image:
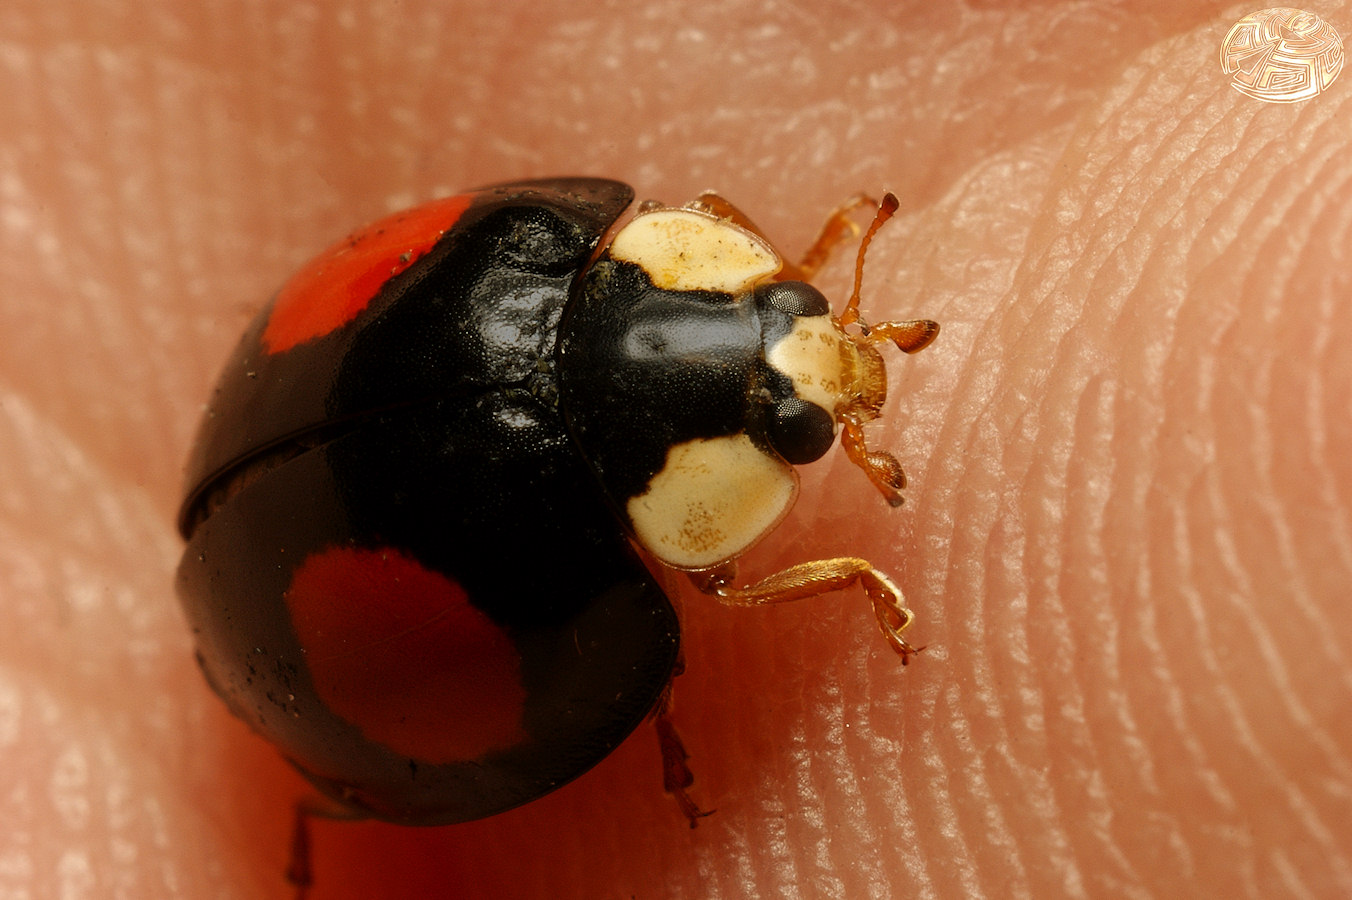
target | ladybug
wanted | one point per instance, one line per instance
(430, 493)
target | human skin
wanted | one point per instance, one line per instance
(1127, 534)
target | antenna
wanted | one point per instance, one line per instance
(886, 209)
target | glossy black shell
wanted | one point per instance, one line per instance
(428, 429)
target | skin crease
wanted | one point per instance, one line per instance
(1127, 535)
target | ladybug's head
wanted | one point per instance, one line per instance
(695, 381)
(838, 376)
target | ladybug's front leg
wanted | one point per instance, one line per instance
(819, 577)
(838, 228)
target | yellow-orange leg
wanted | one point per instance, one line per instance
(838, 228)
(819, 577)
(881, 467)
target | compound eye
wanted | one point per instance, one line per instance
(800, 431)
(797, 298)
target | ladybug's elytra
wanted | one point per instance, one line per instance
(421, 498)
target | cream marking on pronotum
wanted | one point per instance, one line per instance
(686, 250)
(712, 499)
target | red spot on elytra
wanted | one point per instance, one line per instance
(335, 286)
(398, 651)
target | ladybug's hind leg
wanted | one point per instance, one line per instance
(299, 870)
(676, 774)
